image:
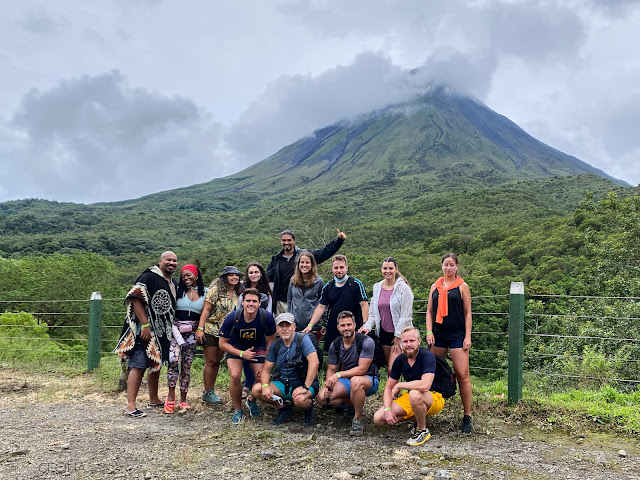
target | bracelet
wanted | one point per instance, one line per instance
(241, 353)
(338, 374)
(201, 329)
(310, 325)
(387, 409)
(265, 385)
(429, 333)
(145, 325)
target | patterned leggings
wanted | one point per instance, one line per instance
(187, 352)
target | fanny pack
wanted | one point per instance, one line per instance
(185, 326)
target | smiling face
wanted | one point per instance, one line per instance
(287, 242)
(286, 330)
(250, 303)
(254, 275)
(189, 278)
(339, 269)
(233, 278)
(449, 267)
(389, 270)
(168, 263)
(304, 264)
(347, 326)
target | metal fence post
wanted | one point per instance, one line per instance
(516, 341)
(95, 331)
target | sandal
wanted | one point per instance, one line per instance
(169, 406)
(245, 393)
(136, 413)
(184, 406)
(155, 405)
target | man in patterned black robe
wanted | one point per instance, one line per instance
(146, 332)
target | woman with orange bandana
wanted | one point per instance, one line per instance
(449, 327)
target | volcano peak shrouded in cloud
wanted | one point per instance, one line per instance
(115, 100)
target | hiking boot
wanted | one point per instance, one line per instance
(210, 397)
(254, 409)
(466, 424)
(238, 415)
(284, 414)
(308, 417)
(418, 438)
(357, 427)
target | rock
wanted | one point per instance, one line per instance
(22, 451)
(425, 471)
(355, 471)
(442, 475)
(148, 476)
(66, 446)
(387, 464)
(475, 472)
(622, 453)
(267, 454)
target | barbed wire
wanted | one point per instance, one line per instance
(582, 337)
(578, 316)
(545, 374)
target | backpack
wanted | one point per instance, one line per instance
(299, 361)
(378, 356)
(359, 341)
(445, 380)
(238, 313)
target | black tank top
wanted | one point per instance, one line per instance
(452, 326)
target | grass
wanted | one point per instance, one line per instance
(576, 411)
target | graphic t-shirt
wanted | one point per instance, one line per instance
(248, 334)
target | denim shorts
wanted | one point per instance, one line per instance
(443, 342)
(138, 356)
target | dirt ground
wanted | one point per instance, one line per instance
(56, 427)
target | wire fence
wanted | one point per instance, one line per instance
(568, 340)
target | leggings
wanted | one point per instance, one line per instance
(187, 353)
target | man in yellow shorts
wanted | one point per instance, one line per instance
(417, 366)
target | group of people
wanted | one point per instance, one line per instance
(269, 325)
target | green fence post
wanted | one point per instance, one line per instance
(516, 341)
(95, 330)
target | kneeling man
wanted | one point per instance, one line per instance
(418, 367)
(351, 374)
(294, 383)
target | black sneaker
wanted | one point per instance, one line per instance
(357, 427)
(466, 424)
(284, 414)
(308, 417)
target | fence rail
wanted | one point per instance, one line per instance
(503, 340)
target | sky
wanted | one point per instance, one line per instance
(112, 100)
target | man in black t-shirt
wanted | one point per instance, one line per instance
(244, 335)
(417, 366)
(342, 293)
(283, 264)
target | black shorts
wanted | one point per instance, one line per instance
(386, 338)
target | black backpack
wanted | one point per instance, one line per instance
(378, 356)
(359, 340)
(262, 314)
(445, 379)
(298, 361)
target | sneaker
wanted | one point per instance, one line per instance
(254, 409)
(419, 437)
(284, 414)
(308, 417)
(466, 424)
(238, 415)
(210, 397)
(357, 427)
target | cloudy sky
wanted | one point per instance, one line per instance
(115, 99)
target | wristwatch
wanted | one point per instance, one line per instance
(305, 387)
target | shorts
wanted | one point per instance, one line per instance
(436, 406)
(138, 356)
(211, 340)
(259, 359)
(386, 338)
(444, 342)
(375, 382)
(286, 392)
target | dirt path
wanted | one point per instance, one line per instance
(72, 432)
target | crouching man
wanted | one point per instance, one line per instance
(297, 380)
(417, 366)
(351, 374)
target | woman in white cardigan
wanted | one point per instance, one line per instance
(390, 310)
